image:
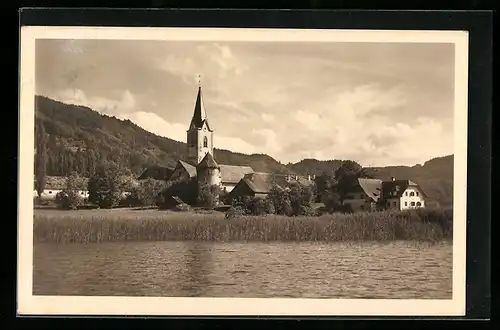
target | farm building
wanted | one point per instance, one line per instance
(365, 195)
(260, 184)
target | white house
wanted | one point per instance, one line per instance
(402, 194)
(54, 185)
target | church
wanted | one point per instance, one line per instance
(200, 162)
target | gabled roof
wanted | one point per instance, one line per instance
(396, 188)
(371, 187)
(156, 172)
(188, 167)
(233, 173)
(208, 162)
(199, 114)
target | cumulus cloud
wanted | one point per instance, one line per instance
(124, 102)
(155, 124)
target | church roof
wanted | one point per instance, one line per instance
(189, 168)
(208, 162)
(233, 173)
(199, 114)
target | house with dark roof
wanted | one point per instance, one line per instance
(260, 184)
(365, 195)
(402, 194)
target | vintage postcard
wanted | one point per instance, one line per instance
(196, 171)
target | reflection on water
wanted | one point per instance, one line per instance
(404, 270)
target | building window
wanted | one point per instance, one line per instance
(412, 194)
(205, 142)
(406, 203)
(406, 193)
(50, 192)
(394, 203)
(412, 204)
(419, 204)
(416, 193)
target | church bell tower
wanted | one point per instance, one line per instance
(199, 134)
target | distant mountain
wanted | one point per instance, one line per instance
(79, 138)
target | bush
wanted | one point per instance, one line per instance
(269, 206)
(208, 196)
(148, 190)
(257, 206)
(307, 211)
(69, 198)
(234, 212)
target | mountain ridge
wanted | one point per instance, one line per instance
(80, 138)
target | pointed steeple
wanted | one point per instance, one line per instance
(200, 114)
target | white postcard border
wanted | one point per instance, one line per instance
(28, 304)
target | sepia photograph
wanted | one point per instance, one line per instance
(193, 171)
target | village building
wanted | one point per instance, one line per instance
(402, 195)
(56, 184)
(260, 184)
(365, 195)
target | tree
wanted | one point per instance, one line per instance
(208, 195)
(148, 190)
(40, 158)
(69, 198)
(299, 196)
(346, 176)
(105, 187)
(281, 200)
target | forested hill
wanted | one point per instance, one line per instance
(79, 138)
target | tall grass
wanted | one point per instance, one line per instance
(92, 226)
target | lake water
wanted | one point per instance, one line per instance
(406, 270)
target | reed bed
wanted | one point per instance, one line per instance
(95, 226)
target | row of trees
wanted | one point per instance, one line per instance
(107, 188)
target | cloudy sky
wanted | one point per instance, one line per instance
(378, 104)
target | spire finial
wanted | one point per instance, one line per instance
(199, 80)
